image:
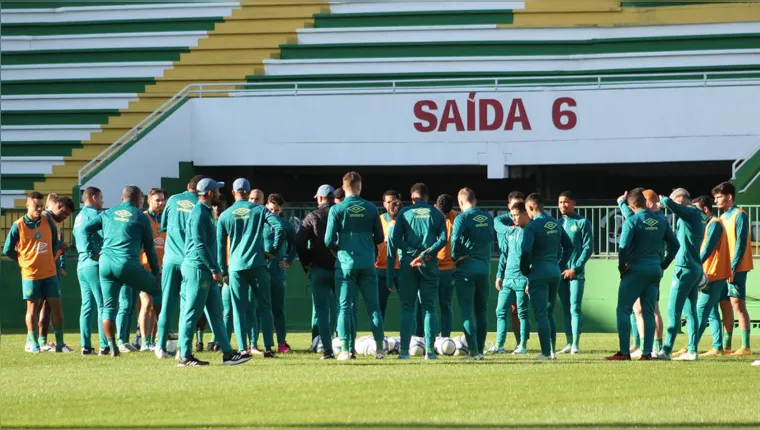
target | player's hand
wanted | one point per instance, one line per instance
(731, 278)
(64, 246)
(461, 259)
(96, 257)
(63, 272)
(284, 265)
(391, 286)
(623, 197)
(527, 288)
(417, 262)
(568, 274)
(226, 279)
(217, 276)
(498, 284)
(268, 255)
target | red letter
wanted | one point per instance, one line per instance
(471, 112)
(422, 115)
(517, 113)
(483, 105)
(558, 114)
(451, 116)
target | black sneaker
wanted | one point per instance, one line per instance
(212, 346)
(327, 356)
(199, 347)
(236, 358)
(105, 351)
(269, 354)
(353, 355)
(87, 351)
(191, 362)
(115, 352)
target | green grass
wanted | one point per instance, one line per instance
(298, 390)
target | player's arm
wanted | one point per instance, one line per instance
(290, 238)
(397, 234)
(526, 249)
(502, 224)
(742, 232)
(587, 247)
(377, 230)
(168, 208)
(275, 223)
(304, 235)
(440, 234)
(195, 227)
(567, 248)
(502, 267)
(672, 248)
(390, 264)
(9, 250)
(624, 209)
(714, 232)
(333, 227)
(221, 244)
(92, 227)
(148, 245)
(624, 245)
(457, 250)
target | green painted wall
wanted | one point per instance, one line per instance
(598, 305)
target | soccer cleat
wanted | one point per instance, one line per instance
(145, 347)
(87, 351)
(137, 340)
(495, 350)
(552, 356)
(712, 353)
(114, 352)
(688, 356)
(470, 358)
(542, 357)
(127, 347)
(728, 351)
(64, 349)
(48, 347)
(104, 351)
(681, 351)
(520, 350)
(645, 357)
(636, 353)
(191, 362)
(575, 350)
(619, 356)
(270, 354)
(344, 356)
(33, 348)
(327, 356)
(212, 346)
(664, 356)
(28, 347)
(404, 356)
(255, 351)
(283, 348)
(353, 355)
(656, 354)
(742, 352)
(431, 356)
(566, 349)
(478, 357)
(161, 354)
(199, 347)
(236, 358)
(756, 363)
(380, 355)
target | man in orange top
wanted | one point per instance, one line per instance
(736, 224)
(147, 318)
(33, 243)
(392, 204)
(717, 267)
(445, 204)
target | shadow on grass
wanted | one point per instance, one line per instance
(393, 425)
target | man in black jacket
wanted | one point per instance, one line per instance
(319, 264)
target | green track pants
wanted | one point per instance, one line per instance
(571, 296)
(92, 299)
(512, 291)
(472, 293)
(349, 283)
(171, 281)
(638, 283)
(199, 293)
(418, 284)
(683, 299)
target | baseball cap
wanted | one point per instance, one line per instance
(207, 184)
(241, 185)
(324, 191)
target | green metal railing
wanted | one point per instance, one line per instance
(607, 223)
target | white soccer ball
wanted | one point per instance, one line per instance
(417, 346)
(337, 345)
(460, 343)
(316, 345)
(363, 346)
(171, 347)
(390, 344)
(397, 346)
(445, 346)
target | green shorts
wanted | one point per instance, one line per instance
(738, 288)
(724, 293)
(48, 287)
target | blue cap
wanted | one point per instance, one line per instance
(325, 191)
(241, 185)
(207, 184)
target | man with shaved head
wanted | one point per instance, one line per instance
(256, 196)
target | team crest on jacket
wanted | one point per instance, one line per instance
(158, 242)
(185, 205)
(356, 211)
(122, 215)
(421, 213)
(241, 213)
(550, 225)
(41, 247)
(574, 227)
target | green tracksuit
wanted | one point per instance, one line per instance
(227, 312)
(198, 290)
(128, 300)
(707, 302)
(89, 280)
(579, 230)
(471, 243)
(126, 232)
(690, 231)
(512, 289)
(173, 222)
(242, 225)
(277, 276)
(545, 242)
(641, 263)
(354, 230)
(420, 231)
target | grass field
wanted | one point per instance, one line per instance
(298, 390)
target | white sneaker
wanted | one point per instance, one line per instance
(565, 350)
(344, 356)
(127, 347)
(636, 353)
(689, 356)
(756, 363)
(161, 354)
(473, 357)
(28, 347)
(543, 357)
(66, 350)
(575, 350)
(519, 351)
(662, 355)
(145, 347)
(48, 347)
(552, 356)
(381, 354)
